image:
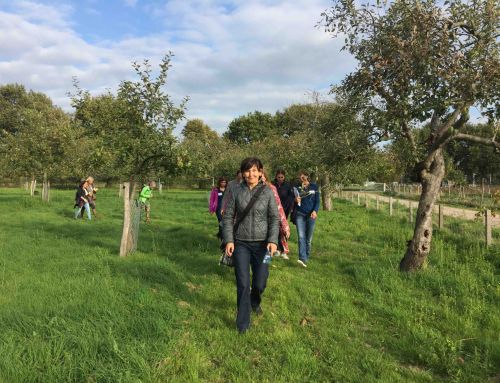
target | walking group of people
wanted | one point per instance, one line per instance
(253, 224)
(85, 198)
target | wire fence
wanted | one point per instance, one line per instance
(484, 196)
(407, 209)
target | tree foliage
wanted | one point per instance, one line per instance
(35, 135)
(422, 61)
(136, 124)
(251, 128)
(201, 149)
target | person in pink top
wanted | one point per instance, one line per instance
(215, 204)
(284, 233)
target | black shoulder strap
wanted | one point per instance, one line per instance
(249, 206)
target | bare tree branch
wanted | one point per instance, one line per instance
(409, 135)
(476, 139)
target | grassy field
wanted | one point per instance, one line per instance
(72, 311)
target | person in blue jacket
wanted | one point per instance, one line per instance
(306, 212)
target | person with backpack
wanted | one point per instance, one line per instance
(251, 229)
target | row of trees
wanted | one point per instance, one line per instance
(106, 137)
(422, 66)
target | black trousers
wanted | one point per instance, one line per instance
(246, 255)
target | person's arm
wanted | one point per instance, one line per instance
(273, 221)
(317, 200)
(228, 194)
(213, 201)
(284, 227)
(289, 199)
(228, 225)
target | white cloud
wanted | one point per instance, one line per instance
(130, 3)
(230, 57)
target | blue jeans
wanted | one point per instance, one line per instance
(248, 297)
(305, 228)
(87, 209)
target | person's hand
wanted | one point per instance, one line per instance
(229, 249)
(272, 247)
(297, 199)
(314, 214)
(222, 213)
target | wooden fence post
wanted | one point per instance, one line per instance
(441, 216)
(487, 227)
(390, 206)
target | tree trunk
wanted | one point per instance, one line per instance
(124, 245)
(130, 225)
(326, 194)
(420, 245)
(45, 188)
(33, 186)
(135, 219)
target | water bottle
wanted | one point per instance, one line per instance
(267, 258)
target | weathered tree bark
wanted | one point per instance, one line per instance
(134, 228)
(326, 193)
(33, 186)
(129, 238)
(124, 245)
(420, 245)
(45, 188)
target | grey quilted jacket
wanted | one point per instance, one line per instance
(261, 222)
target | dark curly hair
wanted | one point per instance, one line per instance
(247, 164)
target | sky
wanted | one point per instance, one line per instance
(231, 57)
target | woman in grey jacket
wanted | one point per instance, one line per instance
(257, 232)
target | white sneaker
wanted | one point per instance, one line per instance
(301, 263)
(277, 254)
(284, 256)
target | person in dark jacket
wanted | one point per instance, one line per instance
(306, 211)
(284, 191)
(256, 235)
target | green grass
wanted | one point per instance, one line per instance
(71, 310)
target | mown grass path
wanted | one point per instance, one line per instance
(72, 311)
